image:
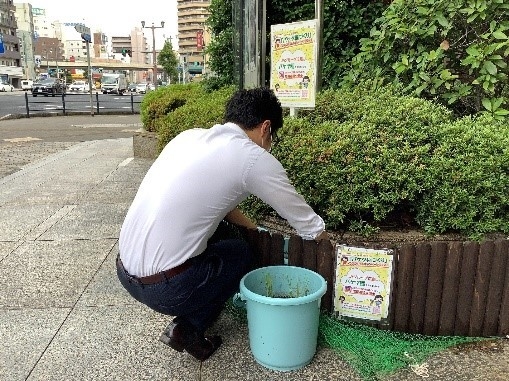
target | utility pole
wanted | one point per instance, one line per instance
(319, 37)
(57, 51)
(154, 54)
(85, 35)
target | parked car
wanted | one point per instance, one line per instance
(6, 87)
(131, 88)
(79, 86)
(49, 86)
(26, 84)
(142, 88)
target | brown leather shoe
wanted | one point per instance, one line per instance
(182, 336)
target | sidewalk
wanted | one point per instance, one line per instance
(64, 315)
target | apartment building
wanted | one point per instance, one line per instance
(11, 70)
(192, 35)
(133, 49)
(26, 35)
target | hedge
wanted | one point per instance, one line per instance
(367, 158)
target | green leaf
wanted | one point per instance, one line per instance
(486, 102)
(472, 18)
(422, 11)
(472, 50)
(419, 90)
(424, 77)
(442, 20)
(502, 112)
(490, 67)
(499, 35)
(399, 68)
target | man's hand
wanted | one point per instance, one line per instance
(323, 235)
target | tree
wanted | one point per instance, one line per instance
(168, 60)
(220, 49)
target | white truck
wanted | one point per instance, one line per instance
(113, 83)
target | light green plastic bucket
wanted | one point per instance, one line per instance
(283, 308)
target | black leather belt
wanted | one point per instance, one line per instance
(159, 277)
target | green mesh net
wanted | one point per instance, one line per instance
(373, 352)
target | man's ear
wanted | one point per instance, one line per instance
(265, 127)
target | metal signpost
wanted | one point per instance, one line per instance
(85, 35)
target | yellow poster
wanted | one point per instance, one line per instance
(293, 63)
(363, 282)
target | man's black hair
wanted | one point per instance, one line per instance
(250, 107)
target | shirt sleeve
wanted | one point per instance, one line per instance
(267, 179)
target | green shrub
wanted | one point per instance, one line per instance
(470, 179)
(369, 157)
(164, 100)
(202, 110)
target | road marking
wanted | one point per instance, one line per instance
(95, 125)
(21, 140)
(126, 161)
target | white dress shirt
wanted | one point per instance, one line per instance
(199, 177)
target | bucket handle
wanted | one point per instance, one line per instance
(238, 300)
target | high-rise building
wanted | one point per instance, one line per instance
(27, 37)
(192, 35)
(11, 70)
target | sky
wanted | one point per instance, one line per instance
(116, 17)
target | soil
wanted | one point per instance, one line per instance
(394, 236)
(491, 346)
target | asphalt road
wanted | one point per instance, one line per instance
(25, 140)
(15, 103)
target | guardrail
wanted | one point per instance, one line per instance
(72, 104)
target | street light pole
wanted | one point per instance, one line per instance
(154, 56)
(56, 61)
(47, 60)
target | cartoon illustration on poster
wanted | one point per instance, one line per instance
(363, 282)
(293, 63)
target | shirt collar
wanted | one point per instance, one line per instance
(235, 127)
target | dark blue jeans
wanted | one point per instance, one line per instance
(199, 293)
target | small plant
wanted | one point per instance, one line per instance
(364, 228)
(269, 286)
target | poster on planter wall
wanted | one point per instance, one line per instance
(363, 282)
(294, 49)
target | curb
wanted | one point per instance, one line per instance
(67, 113)
(145, 145)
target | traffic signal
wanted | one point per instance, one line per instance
(124, 51)
(129, 53)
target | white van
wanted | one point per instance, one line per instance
(26, 84)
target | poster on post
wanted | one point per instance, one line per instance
(363, 282)
(294, 49)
